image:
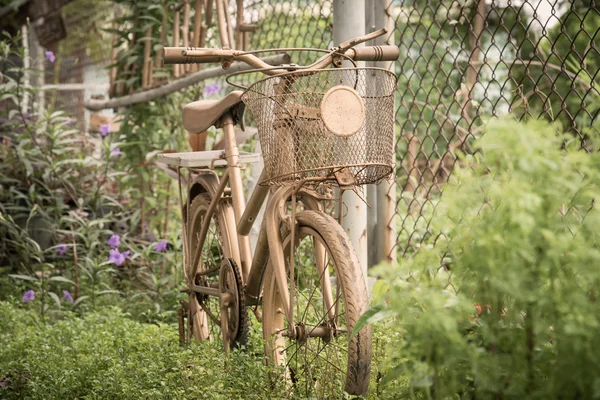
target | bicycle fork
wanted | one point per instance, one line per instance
(275, 214)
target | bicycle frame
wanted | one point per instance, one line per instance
(269, 247)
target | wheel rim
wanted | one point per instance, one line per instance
(312, 366)
(204, 310)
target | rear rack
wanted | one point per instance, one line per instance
(195, 159)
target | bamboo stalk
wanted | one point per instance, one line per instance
(239, 40)
(208, 6)
(146, 72)
(132, 67)
(197, 27)
(176, 40)
(163, 32)
(197, 23)
(113, 60)
(203, 31)
(222, 24)
(185, 31)
(228, 23)
(411, 165)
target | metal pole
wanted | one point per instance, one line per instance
(386, 190)
(349, 22)
(372, 229)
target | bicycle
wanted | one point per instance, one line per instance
(320, 128)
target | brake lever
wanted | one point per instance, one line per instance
(348, 44)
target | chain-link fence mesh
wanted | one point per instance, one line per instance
(462, 62)
(465, 61)
(296, 23)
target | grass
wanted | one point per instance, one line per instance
(108, 355)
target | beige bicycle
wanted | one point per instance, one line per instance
(320, 129)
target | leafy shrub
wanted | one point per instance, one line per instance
(59, 206)
(505, 305)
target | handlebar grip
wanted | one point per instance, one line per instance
(376, 53)
(174, 55)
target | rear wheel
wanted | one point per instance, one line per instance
(214, 269)
(320, 358)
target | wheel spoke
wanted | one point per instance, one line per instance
(326, 360)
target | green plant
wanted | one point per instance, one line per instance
(505, 303)
(108, 355)
(59, 206)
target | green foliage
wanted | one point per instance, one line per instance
(58, 207)
(505, 303)
(107, 355)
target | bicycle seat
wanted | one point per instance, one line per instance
(200, 115)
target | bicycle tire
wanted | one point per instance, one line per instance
(324, 229)
(203, 326)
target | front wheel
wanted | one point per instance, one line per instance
(318, 355)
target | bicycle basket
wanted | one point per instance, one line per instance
(319, 124)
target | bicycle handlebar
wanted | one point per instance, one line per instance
(191, 55)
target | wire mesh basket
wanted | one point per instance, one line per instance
(320, 125)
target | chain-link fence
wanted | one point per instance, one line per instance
(462, 62)
(465, 61)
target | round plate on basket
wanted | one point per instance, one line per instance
(342, 111)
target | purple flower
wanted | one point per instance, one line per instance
(115, 152)
(104, 129)
(209, 90)
(67, 296)
(114, 241)
(161, 246)
(28, 296)
(50, 56)
(118, 258)
(61, 249)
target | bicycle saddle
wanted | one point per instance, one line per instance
(200, 115)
